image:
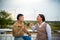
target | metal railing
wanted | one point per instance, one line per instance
(6, 37)
(10, 37)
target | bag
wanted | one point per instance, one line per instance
(26, 37)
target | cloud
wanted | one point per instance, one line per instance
(31, 8)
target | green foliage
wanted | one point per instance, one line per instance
(55, 25)
(5, 19)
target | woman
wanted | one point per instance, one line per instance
(43, 29)
(19, 28)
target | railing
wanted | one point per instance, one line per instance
(10, 37)
(6, 37)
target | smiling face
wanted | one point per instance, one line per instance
(39, 18)
(21, 18)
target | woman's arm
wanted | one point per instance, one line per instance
(48, 30)
(32, 27)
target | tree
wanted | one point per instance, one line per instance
(5, 19)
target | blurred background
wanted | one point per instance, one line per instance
(9, 9)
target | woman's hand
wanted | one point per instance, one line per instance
(31, 24)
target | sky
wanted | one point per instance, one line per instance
(31, 8)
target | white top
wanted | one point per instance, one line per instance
(48, 29)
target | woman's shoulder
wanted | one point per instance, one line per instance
(48, 25)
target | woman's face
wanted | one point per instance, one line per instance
(21, 18)
(39, 18)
